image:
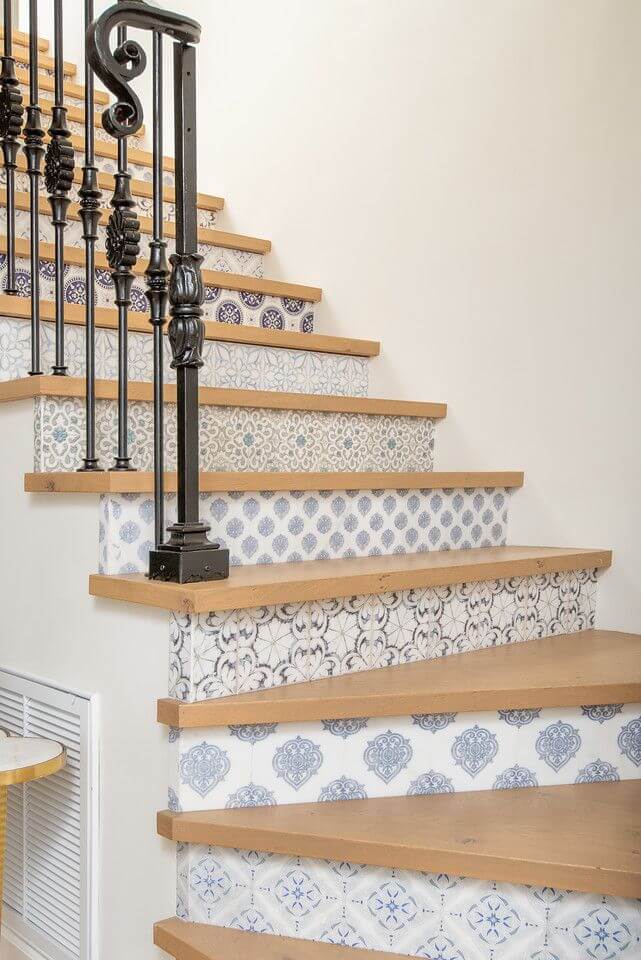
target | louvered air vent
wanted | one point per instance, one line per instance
(50, 824)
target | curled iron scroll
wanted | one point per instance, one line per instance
(127, 61)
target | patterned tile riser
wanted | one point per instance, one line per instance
(238, 438)
(101, 135)
(267, 764)
(206, 218)
(237, 651)
(138, 171)
(437, 917)
(225, 306)
(224, 364)
(269, 527)
(214, 258)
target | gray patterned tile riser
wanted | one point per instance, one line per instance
(238, 651)
(266, 764)
(101, 135)
(271, 527)
(238, 438)
(235, 365)
(214, 258)
(206, 218)
(438, 917)
(225, 306)
(138, 171)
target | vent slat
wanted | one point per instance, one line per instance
(68, 900)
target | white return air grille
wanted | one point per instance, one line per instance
(51, 823)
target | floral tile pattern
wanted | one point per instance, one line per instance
(265, 764)
(224, 306)
(438, 917)
(218, 654)
(236, 365)
(289, 526)
(240, 438)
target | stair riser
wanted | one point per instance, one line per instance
(266, 764)
(268, 527)
(214, 258)
(234, 365)
(226, 306)
(218, 654)
(138, 171)
(437, 917)
(206, 218)
(240, 438)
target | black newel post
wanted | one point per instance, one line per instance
(188, 555)
(10, 126)
(34, 151)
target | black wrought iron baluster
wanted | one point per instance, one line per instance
(188, 555)
(10, 127)
(59, 166)
(90, 197)
(123, 249)
(34, 151)
(157, 274)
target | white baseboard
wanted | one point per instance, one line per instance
(18, 949)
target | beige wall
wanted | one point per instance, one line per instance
(464, 181)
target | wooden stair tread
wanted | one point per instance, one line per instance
(211, 278)
(113, 481)
(583, 837)
(139, 188)
(20, 53)
(71, 89)
(204, 941)
(272, 584)
(18, 36)
(107, 317)
(218, 238)
(593, 666)
(51, 386)
(76, 114)
(109, 149)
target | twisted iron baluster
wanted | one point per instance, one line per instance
(157, 274)
(10, 127)
(59, 166)
(34, 151)
(123, 249)
(90, 197)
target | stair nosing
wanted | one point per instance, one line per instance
(22, 38)
(311, 580)
(70, 88)
(510, 677)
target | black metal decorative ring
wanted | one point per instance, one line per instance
(123, 239)
(59, 164)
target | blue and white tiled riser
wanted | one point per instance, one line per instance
(280, 527)
(240, 438)
(235, 365)
(266, 764)
(101, 135)
(437, 917)
(237, 651)
(224, 306)
(214, 258)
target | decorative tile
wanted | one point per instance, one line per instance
(235, 438)
(393, 756)
(292, 643)
(233, 365)
(438, 917)
(289, 526)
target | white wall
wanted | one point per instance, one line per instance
(462, 178)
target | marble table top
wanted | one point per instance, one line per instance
(28, 758)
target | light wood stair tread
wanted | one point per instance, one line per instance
(583, 837)
(20, 53)
(113, 481)
(592, 666)
(71, 89)
(139, 188)
(51, 386)
(211, 278)
(76, 114)
(109, 149)
(204, 941)
(107, 317)
(18, 36)
(217, 238)
(272, 584)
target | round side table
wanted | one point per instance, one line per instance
(23, 759)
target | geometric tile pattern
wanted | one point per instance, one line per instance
(239, 438)
(290, 526)
(399, 756)
(438, 917)
(237, 365)
(237, 651)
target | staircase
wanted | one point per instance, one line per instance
(388, 730)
